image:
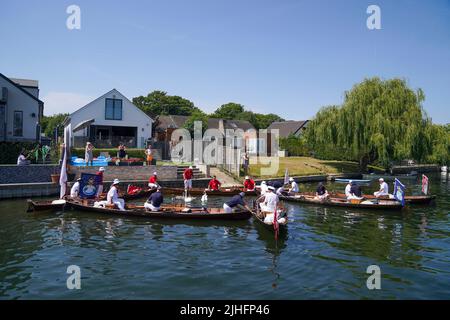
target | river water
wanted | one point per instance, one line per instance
(324, 254)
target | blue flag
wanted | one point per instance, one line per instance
(88, 185)
(399, 191)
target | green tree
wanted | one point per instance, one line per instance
(294, 145)
(160, 103)
(49, 123)
(228, 111)
(196, 116)
(440, 136)
(236, 111)
(380, 121)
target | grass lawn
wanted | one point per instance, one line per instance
(302, 166)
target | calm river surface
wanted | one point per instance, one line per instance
(324, 254)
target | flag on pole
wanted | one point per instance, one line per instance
(275, 223)
(286, 177)
(425, 184)
(89, 185)
(399, 191)
(63, 175)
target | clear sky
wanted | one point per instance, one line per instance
(282, 56)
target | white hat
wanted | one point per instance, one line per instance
(263, 182)
(190, 167)
(247, 177)
(291, 179)
(116, 181)
(381, 179)
(155, 174)
(101, 169)
(271, 188)
(350, 181)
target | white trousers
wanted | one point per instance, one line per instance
(269, 219)
(151, 207)
(99, 190)
(227, 208)
(120, 203)
(188, 184)
(380, 193)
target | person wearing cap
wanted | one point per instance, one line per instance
(187, 177)
(355, 192)
(263, 188)
(153, 181)
(384, 189)
(348, 187)
(294, 186)
(270, 200)
(249, 184)
(236, 201)
(214, 184)
(99, 175)
(155, 200)
(75, 190)
(113, 196)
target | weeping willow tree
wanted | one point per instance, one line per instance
(379, 122)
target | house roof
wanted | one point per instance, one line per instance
(288, 127)
(176, 121)
(26, 82)
(67, 120)
(18, 86)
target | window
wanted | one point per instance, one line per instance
(113, 109)
(18, 124)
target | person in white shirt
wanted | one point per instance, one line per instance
(384, 189)
(347, 189)
(263, 188)
(22, 160)
(75, 190)
(113, 196)
(270, 201)
(294, 186)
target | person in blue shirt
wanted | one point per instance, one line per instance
(236, 201)
(155, 200)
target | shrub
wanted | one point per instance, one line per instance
(9, 151)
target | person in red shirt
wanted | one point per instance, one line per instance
(214, 184)
(249, 184)
(187, 176)
(100, 181)
(153, 181)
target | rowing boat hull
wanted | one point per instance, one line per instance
(408, 199)
(337, 202)
(173, 215)
(44, 206)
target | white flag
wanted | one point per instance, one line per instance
(286, 177)
(63, 175)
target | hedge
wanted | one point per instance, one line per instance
(132, 153)
(9, 151)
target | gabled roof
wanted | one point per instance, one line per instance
(26, 82)
(20, 88)
(288, 127)
(176, 121)
(106, 94)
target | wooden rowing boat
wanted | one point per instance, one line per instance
(199, 191)
(358, 181)
(57, 205)
(408, 199)
(339, 202)
(167, 212)
(259, 218)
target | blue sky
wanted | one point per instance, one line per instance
(286, 57)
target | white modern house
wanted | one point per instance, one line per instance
(109, 121)
(21, 110)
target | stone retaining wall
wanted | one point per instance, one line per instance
(27, 174)
(130, 172)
